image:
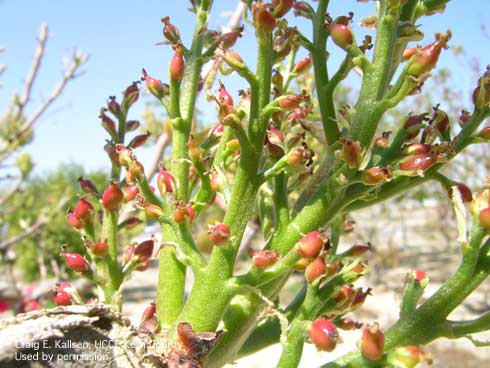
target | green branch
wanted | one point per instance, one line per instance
(428, 322)
(171, 280)
(280, 199)
(324, 94)
(113, 274)
(212, 292)
(457, 329)
(375, 82)
(171, 285)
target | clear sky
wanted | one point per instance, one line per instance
(120, 36)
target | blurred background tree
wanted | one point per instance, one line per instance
(31, 208)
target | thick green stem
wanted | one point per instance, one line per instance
(268, 330)
(114, 274)
(171, 285)
(457, 329)
(375, 82)
(386, 36)
(240, 325)
(315, 301)
(241, 308)
(407, 14)
(212, 292)
(265, 334)
(293, 347)
(280, 198)
(180, 159)
(121, 133)
(321, 210)
(324, 94)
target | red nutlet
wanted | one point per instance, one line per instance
(372, 342)
(83, 210)
(341, 35)
(311, 244)
(75, 221)
(324, 334)
(315, 269)
(149, 312)
(177, 64)
(165, 182)
(170, 32)
(417, 162)
(62, 298)
(264, 21)
(112, 197)
(144, 250)
(219, 233)
(76, 262)
(264, 258)
(155, 87)
(87, 186)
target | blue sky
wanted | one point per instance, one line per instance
(120, 36)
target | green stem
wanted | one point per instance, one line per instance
(148, 193)
(428, 322)
(338, 77)
(121, 133)
(293, 347)
(220, 156)
(430, 5)
(212, 292)
(407, 14)
(412, 293)
(457, 329)
(257, 277)
(180, 159)
(267, 333)
(375, 82)
(242, 137)
(325, 100)
(386, 36)
(114, 274)
(171, 284)
(315, 301)
(470, 127)
(121, 128)
(323, 207)
(289, 69)
(280, 199)
(325, 168)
